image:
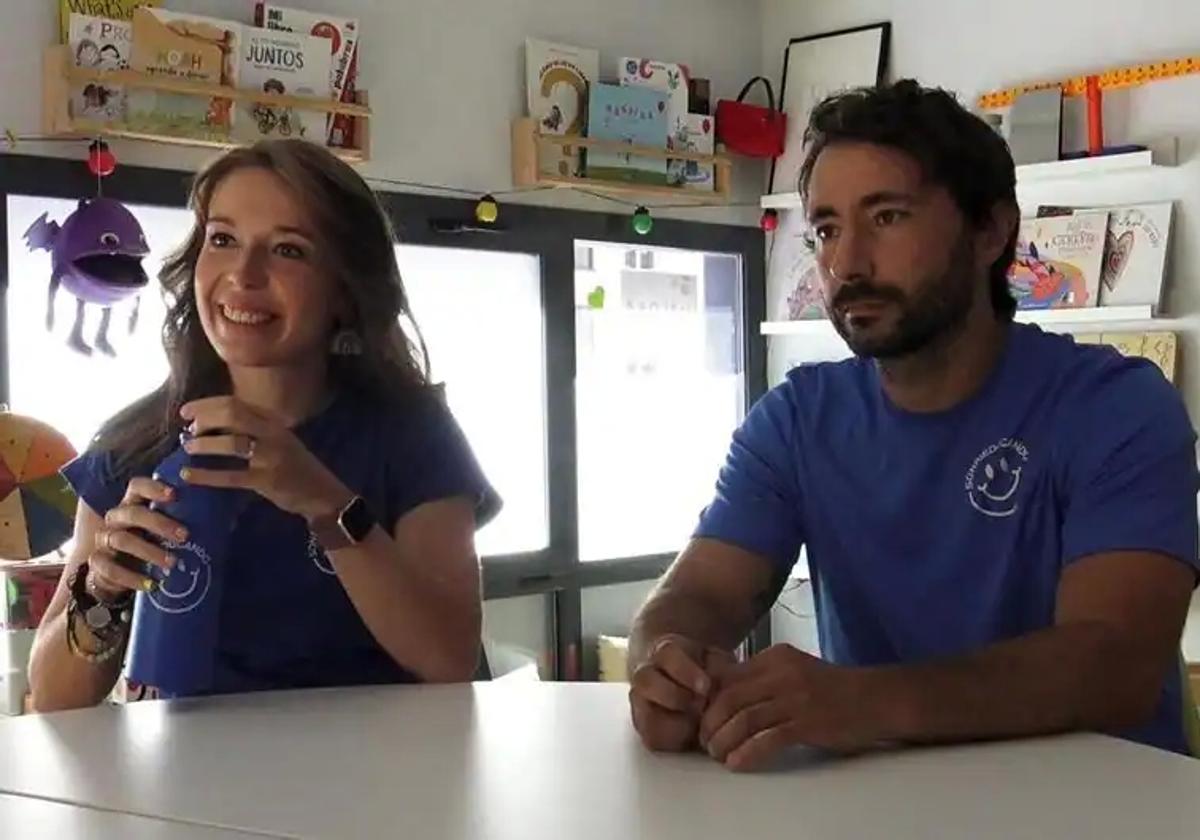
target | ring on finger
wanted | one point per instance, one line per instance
(104, 540)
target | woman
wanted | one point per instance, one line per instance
(355, 563)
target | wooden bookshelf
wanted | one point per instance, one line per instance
(60, 75)
(527, 143)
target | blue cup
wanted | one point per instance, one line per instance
(173, 641)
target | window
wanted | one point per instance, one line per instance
(481, 315)
(49, 380)
(659, 389)
(597, 381)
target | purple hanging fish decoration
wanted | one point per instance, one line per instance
(96, 255)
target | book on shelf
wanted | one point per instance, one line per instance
(1136, 246)
(1058, 261)
(282, 62)
(794, 290)
(101, 44)
(695, 133)
(558, 78)
(682, 130)
(194, 48)
(633, 115)
(343, 37)
(119, 10)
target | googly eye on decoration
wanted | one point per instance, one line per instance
(487, 211)
(101, 162)
(769, 220)
(643, 222)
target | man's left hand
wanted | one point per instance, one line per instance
(780, 698)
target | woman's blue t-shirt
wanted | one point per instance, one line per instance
(286, 621)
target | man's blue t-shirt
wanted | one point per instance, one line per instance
(930, 535)
(286, 621)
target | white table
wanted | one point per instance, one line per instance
(23, 818)
(540, 761)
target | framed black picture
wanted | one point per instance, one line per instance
(815, 66)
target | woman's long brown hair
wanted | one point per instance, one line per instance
(357, 242)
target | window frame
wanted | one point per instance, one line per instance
(548, 233)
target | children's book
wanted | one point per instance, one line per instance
(557, 81)
(102, 44)
(633, 115)
(283, 63)
(1058, 261)
(192, 48)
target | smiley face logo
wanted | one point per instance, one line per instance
(994, 479)
(318, 556)
(185, 586)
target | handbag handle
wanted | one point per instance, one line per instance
(770, 91)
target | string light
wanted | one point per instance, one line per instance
(487, 211)
(101, 162)
(643, 222)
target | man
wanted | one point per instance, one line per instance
(1001, 525)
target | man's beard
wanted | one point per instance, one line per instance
(936, 309)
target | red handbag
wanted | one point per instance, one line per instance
(752, 130)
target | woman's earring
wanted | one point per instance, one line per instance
(346, 342)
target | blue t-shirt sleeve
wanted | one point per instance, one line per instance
(93, 479)
(1132, 479)
(431, 459)
(757, 504)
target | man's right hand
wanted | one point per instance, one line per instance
(670, 690)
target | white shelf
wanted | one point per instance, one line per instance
(781, 201)
(1163, 153)
(1141, 315)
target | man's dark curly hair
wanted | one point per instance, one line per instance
(953, 147)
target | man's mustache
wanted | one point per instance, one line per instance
(865, 290)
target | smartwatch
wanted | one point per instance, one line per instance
(344, 528)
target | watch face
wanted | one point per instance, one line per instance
(97, 617)
(357, 521)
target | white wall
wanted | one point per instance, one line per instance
(973, 46)
(446, 76)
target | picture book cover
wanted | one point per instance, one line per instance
(1135, 251)
(193, 48)
(634, 115)
(557, 80)
(121, 10)
(343, 37)
(1058, 261)
(694, 134)
(672, 79)
(103, 44)
(282, 63)
(793, 282)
